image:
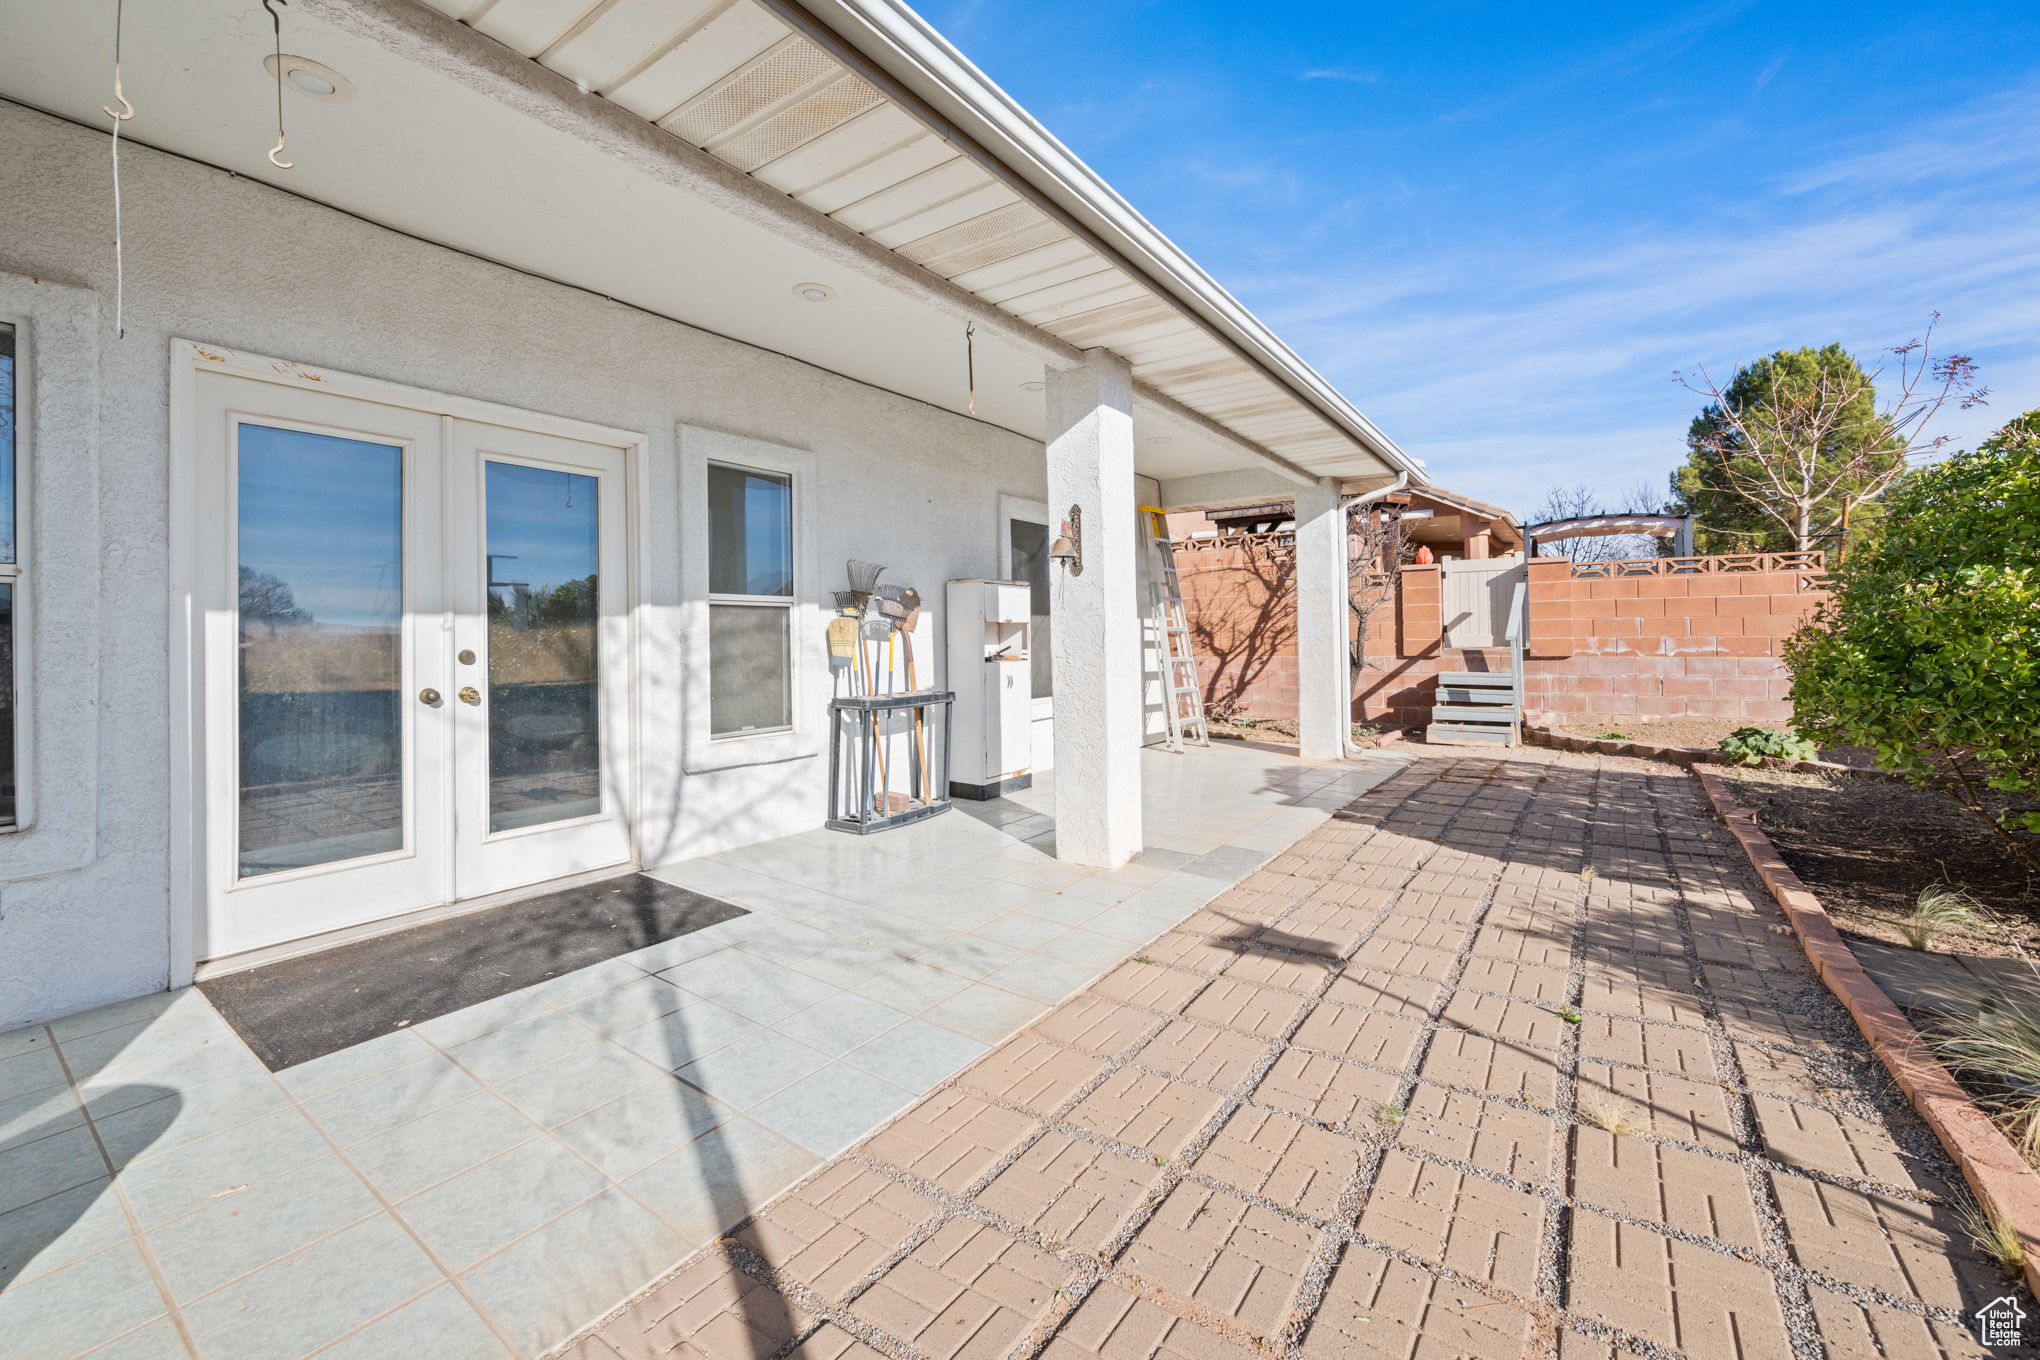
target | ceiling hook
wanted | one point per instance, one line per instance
(277, 20)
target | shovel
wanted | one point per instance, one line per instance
(910, 600)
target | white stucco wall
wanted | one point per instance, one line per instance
(84, 915)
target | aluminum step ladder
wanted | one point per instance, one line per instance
(1184, 702)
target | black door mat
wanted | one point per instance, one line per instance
(295, 1010)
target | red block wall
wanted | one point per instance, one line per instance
(1702, 644)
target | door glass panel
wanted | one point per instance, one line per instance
(545, 752)
(1030, 564)
(748, 682)
(321, 668)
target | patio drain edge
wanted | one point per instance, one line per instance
(1997, 1175)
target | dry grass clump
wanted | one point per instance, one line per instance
(1939, 908)
(1996, 1237)
(1608, 1118)
(2000, 1047)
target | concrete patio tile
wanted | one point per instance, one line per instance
(1377, 990)
(491, 1205)
(74, 1309)
(966, 1290)
(713, 878)
(1656, 1102)
(508, 1053)
(310, 1080)
(1363, 1036)
(244, 1232)
(1663, 1048)
(776, 995)
(711, 1310)
(156, 1341)
(441, 1324)
(1242, 1006)
(912, 987)
(582, 983)
(624, 1008)
(834, 1230)
(831, 1109)
(33, 1171)
(803, 904)
(1141, 981)
(53, 1232)
(1376, 1305)
(1076, 1192)
(951, 1139)
(629, 1134)
(573, 1269)
(1829, 1140)
(1045, 979)
(676, 951)
(1208, 1056)
(846, 964)
(380, 1103)
(1486, 1231)
(916, 1055)
(1193, 952)
(1903, 1247)
(163, 1188)
(1101, 890)
(984, 1013)
(746, 1071)
(970, 956)
(1021, 931)
(569, 1087)
(1853, 1326)
(1238, 1259)
(444, 1143)
(1085, 948)
(1112, 1324)
(310, 1298)
(723, 971)
(31, 1071)
(787, 942)
(1328, 1090)
(673, 1041)
(1122, 923)
(840, 1023)
(472, 1022)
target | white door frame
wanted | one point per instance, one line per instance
(1042, 714)
(187, 794)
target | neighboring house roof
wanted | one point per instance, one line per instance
(1501, 523)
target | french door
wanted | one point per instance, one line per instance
(416, 660)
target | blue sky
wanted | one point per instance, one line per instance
(1500, 229)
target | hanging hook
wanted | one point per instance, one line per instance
(277, 20)
(128, 111)
(970, 362)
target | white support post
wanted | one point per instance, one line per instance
(1324, 686)
(1097, 614)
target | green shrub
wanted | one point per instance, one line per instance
(1928, 652)
(1749, 746)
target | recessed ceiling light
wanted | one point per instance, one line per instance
(1032, 387)
(1158, 439)
(813, 292)
(313, 79)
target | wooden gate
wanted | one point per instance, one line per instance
(1477, 593)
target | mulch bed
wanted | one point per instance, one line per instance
(1868, 847)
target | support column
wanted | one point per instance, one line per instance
(1097, 617)
(1324, 685)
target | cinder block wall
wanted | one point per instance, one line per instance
(1702, 644)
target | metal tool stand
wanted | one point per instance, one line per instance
(1185, 704)
(862, 729)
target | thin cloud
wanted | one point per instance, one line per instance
(1341, 74)
(1765, 76)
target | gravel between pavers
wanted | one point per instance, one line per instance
(1507, 1059)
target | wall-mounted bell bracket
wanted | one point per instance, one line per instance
(1068, 548)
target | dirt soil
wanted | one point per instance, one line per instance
(1867, 847)
(1700, 734)
(1282, 730)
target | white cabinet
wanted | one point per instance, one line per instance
(990, 631)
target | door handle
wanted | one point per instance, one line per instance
(470, 695)
(428, 696)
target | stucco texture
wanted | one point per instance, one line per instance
(219, 259)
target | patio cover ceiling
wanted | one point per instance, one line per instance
(856, 120)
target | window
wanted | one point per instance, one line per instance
(750, 601)
(10, 575)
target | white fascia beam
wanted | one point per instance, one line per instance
(430, 39)
(983, 121)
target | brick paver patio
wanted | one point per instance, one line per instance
(1509, 1058)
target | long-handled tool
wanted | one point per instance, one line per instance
(911, 598)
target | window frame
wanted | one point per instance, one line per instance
(807, 670)
(788, 602)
